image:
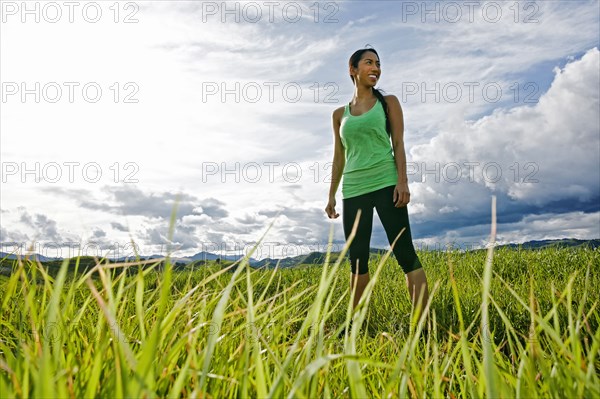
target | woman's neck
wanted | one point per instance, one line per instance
(362, 94)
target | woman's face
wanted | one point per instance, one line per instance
(368, 71)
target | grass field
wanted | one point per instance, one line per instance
(225, 333)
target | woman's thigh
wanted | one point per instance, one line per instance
(360, 245)
(394, 221)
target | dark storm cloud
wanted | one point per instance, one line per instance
(44, 227)
(508, 211)
(184, 237)
(12, 238)
(131, 201)
(305, 225)
(118, 226)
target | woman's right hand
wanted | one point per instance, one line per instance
(330, 209)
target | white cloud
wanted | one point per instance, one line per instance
(448, 209)
(554, 143)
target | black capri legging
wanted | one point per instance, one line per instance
(393, 220)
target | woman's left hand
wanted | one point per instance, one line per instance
(401, 195)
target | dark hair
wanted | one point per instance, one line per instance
(354, 59)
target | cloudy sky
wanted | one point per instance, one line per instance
(111, 114)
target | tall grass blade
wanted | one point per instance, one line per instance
(486, 336)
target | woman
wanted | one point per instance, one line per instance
(374, 175)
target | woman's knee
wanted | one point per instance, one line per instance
(408, 262)
(359, 264)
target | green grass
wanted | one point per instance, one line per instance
(274, 333)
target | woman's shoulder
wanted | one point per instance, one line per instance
(392, 102)
(390, 97)
(339, 112)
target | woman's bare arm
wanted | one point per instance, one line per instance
(401, 193)
(339, 161)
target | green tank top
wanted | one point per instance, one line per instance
(370, 163)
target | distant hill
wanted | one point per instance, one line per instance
(563, 242)
(204, 256)
(311, 258)
(32, 256)
(210, 256)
